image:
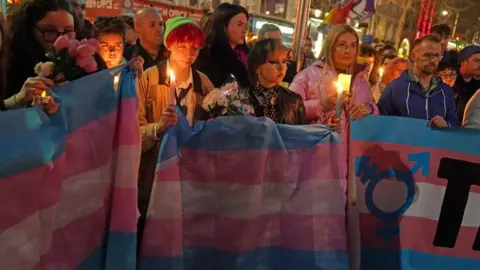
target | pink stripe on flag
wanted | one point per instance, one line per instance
(253, 167)
(387, 155)
(302, 232)
(417, 234)
(88, 148)
(124, 210)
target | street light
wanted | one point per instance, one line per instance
(445, 13)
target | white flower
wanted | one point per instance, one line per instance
(44, 69)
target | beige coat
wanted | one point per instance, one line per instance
(154, 98)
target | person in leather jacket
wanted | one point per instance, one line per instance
(267, 65)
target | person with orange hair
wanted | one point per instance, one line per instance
(157, 103)
(393, 71)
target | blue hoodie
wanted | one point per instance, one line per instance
(404, 97)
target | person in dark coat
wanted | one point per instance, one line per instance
(466, 85)
(225, 52)
(267, 65)
(149, 27)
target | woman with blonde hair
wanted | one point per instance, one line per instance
(393, 70)
(316, 85)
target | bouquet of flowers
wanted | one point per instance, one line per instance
(72, 59)
(227, 101)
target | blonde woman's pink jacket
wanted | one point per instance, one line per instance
(315, 83)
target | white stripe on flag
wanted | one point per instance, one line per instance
(24, 243)
(389, 195)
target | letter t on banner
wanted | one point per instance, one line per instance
(461, 175)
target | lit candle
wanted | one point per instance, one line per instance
(380, 74)
(345, 80)
(116, 79)
(44, 94)
(338, 107)
(173, 86)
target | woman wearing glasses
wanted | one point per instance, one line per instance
(34, 27)
(316, 86)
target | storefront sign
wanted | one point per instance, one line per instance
(110, 8)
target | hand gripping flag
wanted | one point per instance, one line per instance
(418, 191)
(68, 181)
(243, 193)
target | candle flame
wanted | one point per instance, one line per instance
(116, 79)
(171, 74)
(339, 87)
(44, 94)
(380, 72)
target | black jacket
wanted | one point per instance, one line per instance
(288, 106)
(464, 91)
(219, 61)
(137, 49)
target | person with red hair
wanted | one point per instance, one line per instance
(184, 38)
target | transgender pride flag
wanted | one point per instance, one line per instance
(418, 195)
(68, 181)
(241, 193)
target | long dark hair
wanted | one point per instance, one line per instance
(215, 30)
(23, 49)
(259, 55)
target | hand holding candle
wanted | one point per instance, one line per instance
(173, 86)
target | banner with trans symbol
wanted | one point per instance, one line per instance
(418, 193)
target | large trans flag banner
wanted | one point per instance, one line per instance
(68, 181)
(418, 193)
(243, 193)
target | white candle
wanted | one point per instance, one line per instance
(173, 86)
(338, 106)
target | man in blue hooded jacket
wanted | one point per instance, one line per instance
(419, 93)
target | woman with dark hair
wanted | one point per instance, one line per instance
(267, 64)
(34, 27)
(225, 52)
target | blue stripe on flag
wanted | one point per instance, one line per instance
(120, 255)
(271, 258)
(383, 259)
(87, 99)
(408, 131)
(31, 138)
(253, 134)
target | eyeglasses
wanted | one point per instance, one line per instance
(52, 35)
(345, 47)
(431, 56)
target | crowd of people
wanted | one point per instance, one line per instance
(433, 84)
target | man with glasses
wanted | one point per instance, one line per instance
(419, 93)
(466, 85)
